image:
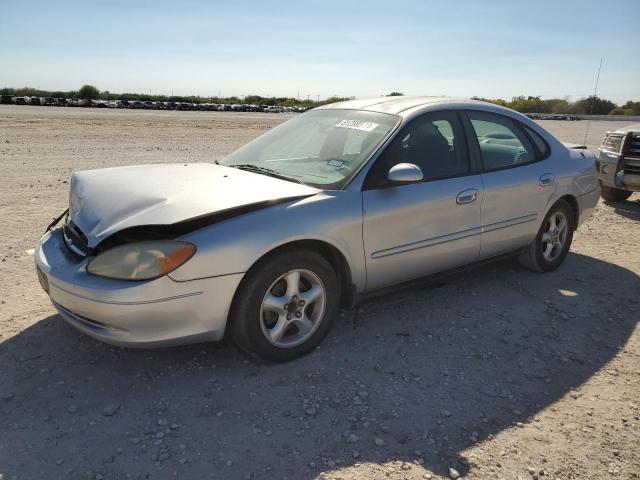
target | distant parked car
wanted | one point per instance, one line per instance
(62, 102)
(51, 102)
(22, 100)
(115, 104)
(619, 163)
(7, 99)
(35, 101)
(273, 110)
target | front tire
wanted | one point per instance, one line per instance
(614, 194)
(285, 306)
(551, 245)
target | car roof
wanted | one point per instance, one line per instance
(400, 104)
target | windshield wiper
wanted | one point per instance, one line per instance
(249, 167)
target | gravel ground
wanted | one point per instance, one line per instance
(495, 372)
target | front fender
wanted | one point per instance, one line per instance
(234, 245)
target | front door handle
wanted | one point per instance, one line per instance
(467, 196)
(546, 180)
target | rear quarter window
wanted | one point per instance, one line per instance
(540, 143)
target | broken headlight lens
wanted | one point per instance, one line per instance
(142, 260)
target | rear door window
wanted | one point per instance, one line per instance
(502, 143)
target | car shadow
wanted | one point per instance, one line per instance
(423, 375)
(629, 208)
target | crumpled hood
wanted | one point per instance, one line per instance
(105, 201)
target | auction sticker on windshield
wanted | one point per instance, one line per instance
(357, 125)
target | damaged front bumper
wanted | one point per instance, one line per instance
(133, 313)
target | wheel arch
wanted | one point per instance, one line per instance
(330, 252)
(573, 203)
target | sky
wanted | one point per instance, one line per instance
(496, 49)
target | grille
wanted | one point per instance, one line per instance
(75, 240)
(612, 142)
(633, 145)
(631, 165)
(87, 322)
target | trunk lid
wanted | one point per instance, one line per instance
(575, 146)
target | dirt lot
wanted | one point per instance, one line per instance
(498, 373)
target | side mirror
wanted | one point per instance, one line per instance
(405, 173)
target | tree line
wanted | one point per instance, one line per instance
(592, 105)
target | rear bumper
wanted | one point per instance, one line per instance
(141, 314)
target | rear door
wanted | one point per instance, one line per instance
(411, 230)
(518, 181)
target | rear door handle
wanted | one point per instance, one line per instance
(546, 180)
(467, 196)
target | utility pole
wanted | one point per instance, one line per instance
(318, 98)
(308, 97)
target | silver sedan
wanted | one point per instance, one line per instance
(267, 245)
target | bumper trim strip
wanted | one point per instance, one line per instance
(113, 302)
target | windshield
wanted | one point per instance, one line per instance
(322, 148)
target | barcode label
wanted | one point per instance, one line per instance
(357, 125)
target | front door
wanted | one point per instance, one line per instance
(412, 230)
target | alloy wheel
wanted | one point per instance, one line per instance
(293, 308)
(554, 236)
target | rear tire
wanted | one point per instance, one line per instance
(614, 194)
(285, 306)
(551, 245)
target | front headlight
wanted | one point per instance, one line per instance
(142, 260)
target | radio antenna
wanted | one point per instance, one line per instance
(595, 89)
